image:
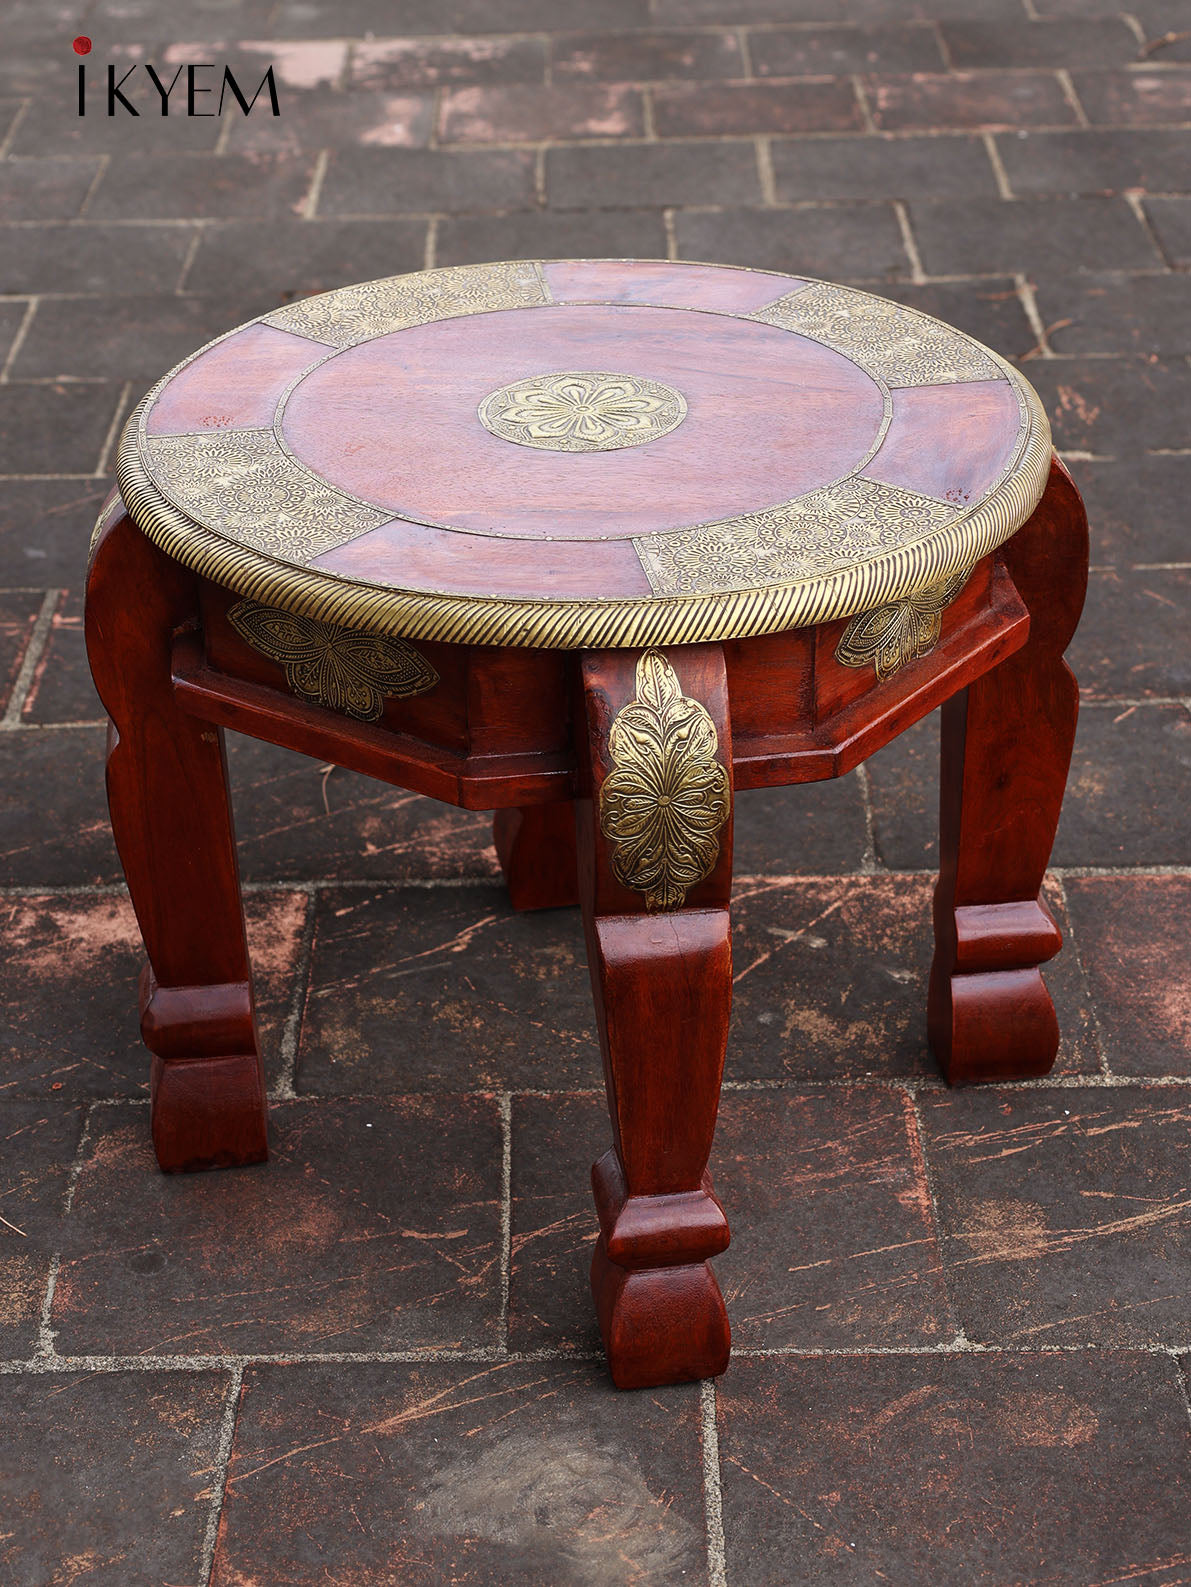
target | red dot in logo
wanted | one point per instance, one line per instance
(82, 45)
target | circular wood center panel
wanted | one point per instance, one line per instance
(585, 452)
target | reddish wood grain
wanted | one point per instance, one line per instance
(1006, 748)
(536, 848)
(663, 993)
(171, 817)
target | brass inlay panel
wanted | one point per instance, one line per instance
(890, 636)
(665, 802)
(374, 308)
(582, 411)
(246, 486)
(898, 345)
(820, 533)
(344, 669)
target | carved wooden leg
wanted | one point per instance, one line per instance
(171, 816)
(655, 871)
(536, 848)
(1006, 749)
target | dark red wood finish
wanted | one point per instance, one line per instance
(1007, 743)
(172, 820)
(526, 733)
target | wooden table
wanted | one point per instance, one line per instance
(596, 545)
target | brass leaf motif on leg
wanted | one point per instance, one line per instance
(890, 636)
(665, 802)
(344, 669)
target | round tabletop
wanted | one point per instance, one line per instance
(586, 452)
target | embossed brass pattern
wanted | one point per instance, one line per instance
(343, 669)
(247, 486)
(898, 345)
(263, 560)
(665, 802)
(374, 308)
(887, 638)
(582, 411)
(813, 535)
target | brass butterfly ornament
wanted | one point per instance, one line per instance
(343, 669)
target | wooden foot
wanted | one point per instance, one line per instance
(536, 849)
(171, 818)
(1006, 749)
(655, 858)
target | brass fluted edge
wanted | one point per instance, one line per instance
(614, 623)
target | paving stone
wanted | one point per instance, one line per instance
(374, 1226)
(12, 317)
(554, 1226)
(645, 57)
(1137, 508)
(426, 63)
(562, 234)
(814, 828)
(39, 1141)
(824, 104)
(18, 613)
(61, 689)
(1139, 97)
(1096, 161)
(797, 52)
(530, 112)
(54, 827)
(128, 338)
(536, 1473)
(208, 186)
(1115, 405)
(1071, 42)
(433, 989)
(1125, 802)
(1171, 219)
(651, 173)
(1109, 312)
(988, 101)
(68, 991)
(882, 168)
(1064, 1214)
(860, 241)
(826, 11)
(854, 1470)
(354, 18)
(287, 257)
(826, 1190)
(45, 525)
(1132, 940)
(58, 429)
(1164, 23)
(990, 236)
(364, 830)
(1135, 637)
(869, 11)
(112, 260)
(831, 977)
(34, 189)
(52, 125)
(107, 1475)
(329, 118)
(192, 19)
(389, 181)
(988, 309)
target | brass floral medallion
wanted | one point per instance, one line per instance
(889, 636)
(665, 802)
(344, 669)
(582, 411)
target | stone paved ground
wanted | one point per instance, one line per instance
(961, 1318)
